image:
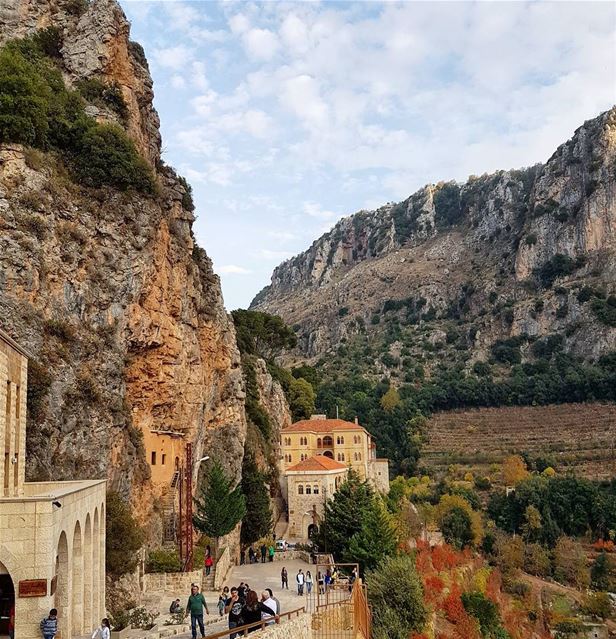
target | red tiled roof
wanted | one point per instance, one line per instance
(318, 462)
(321, 426)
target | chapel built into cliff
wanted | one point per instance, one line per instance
(317, 454)
(52, 534)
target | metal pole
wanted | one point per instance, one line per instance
(189, 510)
(180, 525)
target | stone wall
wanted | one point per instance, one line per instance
(298, 628)
(177, 582)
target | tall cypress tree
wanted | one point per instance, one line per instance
(257, 522)
(344, 514)
(220, 506)
(375, 540)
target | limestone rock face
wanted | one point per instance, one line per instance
(469, 253)
(120, 309)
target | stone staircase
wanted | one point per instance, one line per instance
(170, 514)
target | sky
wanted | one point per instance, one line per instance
(287, 116)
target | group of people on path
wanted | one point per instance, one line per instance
(266, 552)
(305, 581)
(49, 627)
(302, 580)
(244, 607)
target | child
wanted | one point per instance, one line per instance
(49, 625)
(103, 631)
(222, 600)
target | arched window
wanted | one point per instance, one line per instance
(359, 456)
(328, 441)
(338, 456)
(319, 443)
(355, 456)
(308, 490)
(300, 490)
(315, 490)
(342, 439)
(342, 457)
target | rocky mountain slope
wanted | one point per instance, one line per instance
(456, 270)
(106, 288)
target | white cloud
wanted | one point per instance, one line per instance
(175, 58)
(301, 95)
(239, 23)
(282, 236)
(177, 82)
(261, 44)
(233, 269)
(314, 210)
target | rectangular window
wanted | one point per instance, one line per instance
(164, 459)
(153, 458)
(315, 490)
(308, 491)
(300, 490)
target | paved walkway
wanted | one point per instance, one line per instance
(258, 577)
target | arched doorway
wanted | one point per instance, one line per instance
(61, 586)
(328, 453)
(313, 529)
(77, 582)
(7, 600)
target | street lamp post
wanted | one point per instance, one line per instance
(185, 536)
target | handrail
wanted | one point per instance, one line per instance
(257, 624)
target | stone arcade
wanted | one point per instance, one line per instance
(52, 534)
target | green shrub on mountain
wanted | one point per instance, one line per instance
(37, 109)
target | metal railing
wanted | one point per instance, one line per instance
(264, 623)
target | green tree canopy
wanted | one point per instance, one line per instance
(257, 521)
(124, 536)
(395, 594)
(375, 540)
(219, 506)
(262, 334)
(456, 526)
(344, 514)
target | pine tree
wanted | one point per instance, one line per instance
(257, 522)
(344, 514)
(600, 572)
(219, 507)
(375, 540)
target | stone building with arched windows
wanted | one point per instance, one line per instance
(52, 534)
(318, 452)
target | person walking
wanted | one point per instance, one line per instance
(284, 577)
(320, 582)
(300, 578)
(263, 553)
(271, 552)
(243, 556)
(103, 631)
(195, 606)
(308, 582)
(222, 600)
(251, 555)
(233, 608)
(49, 625)
(209, 562)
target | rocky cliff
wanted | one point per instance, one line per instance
(457, 267)
(119, 307)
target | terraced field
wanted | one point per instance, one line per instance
(579, 437)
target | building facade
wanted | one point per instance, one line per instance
(317, 453)
(52, 534)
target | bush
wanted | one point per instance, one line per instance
(101, 94)
(531, 239)
(559, 265)
(163, 560)
(107, 156)
(124, 537)
(485, 611)
(37, 109)
(605, 310)
(395, 594)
